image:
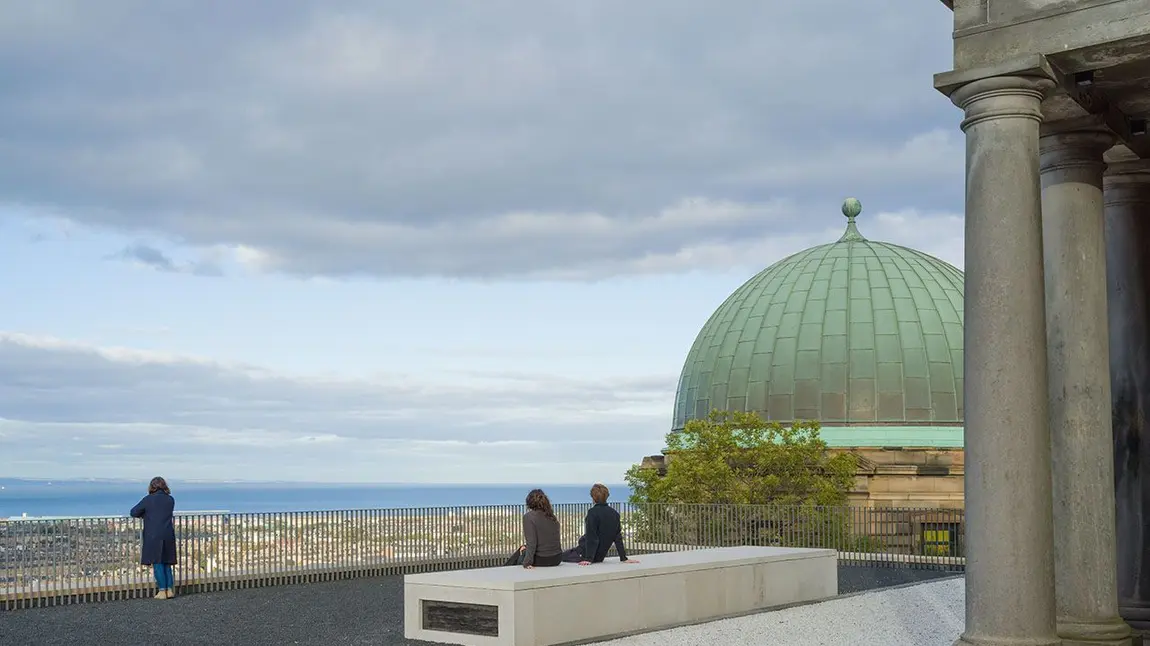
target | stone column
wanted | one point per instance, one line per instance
(1009, 517)
(1127, 194)
(1078, 368)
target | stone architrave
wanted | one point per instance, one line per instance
(1074, 253)
(1127, 196)
(1009, 517)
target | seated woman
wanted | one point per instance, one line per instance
(542, 545)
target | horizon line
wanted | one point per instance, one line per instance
(314, 482)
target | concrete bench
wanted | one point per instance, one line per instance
(513, 606)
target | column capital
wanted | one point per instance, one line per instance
(1127, 181)
(1075, 143)
(1088, 123)
(1000, 97)
(1028, 65)
(1129, 170)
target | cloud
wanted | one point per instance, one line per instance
(121, 410)
(556, 140)
(152, 258)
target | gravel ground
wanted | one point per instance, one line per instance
(359, 611)
(929, 614)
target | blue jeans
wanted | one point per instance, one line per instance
(164, 578)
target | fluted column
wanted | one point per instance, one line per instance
(1127, 195)
(1009, 523)
(1078, 369)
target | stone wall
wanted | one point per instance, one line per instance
(908, 477)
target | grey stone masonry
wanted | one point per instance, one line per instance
(1009, 590)
(1074, 251)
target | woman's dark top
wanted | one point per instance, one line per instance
(159, 544)
(541, 535)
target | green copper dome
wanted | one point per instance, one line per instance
(853, 333)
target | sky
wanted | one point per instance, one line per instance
(385, 241)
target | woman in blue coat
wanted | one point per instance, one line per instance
(159, 541)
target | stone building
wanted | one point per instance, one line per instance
(1054, 97)
(865, 337)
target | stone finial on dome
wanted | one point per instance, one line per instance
(851, 208)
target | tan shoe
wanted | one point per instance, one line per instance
(171, 593)
(162, 594)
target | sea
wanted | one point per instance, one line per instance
(39, 498)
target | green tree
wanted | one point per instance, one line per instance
(738, 458)
(734, 478)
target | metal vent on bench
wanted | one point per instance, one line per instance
(466, 618)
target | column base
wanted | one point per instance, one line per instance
(1112, 632)
(1138, 616)
(965, 640)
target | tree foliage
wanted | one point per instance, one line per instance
(737, 458)
(735, 479)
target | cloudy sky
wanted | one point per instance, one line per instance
(372, 240)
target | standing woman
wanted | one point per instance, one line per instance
(158, 548)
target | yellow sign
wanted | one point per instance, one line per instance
(936, 542)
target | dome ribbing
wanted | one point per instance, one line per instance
(854, 332)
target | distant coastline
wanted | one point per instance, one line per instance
(308, 483)
(108, 497)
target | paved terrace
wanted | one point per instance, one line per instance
(357, 611)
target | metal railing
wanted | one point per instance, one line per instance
(70, 560)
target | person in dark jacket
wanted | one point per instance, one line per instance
(575, 554)
(602, 529)
(542, 546)
(158, 547)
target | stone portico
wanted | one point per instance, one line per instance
(1055, 95)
